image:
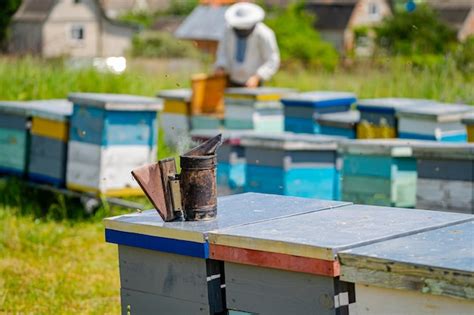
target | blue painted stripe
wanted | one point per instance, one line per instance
(336, 131)
(301, 125)
(316, 104)
(46, 179)
(387, 110)
(461, 137)
(167, 245)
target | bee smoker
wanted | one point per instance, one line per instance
(191, 195)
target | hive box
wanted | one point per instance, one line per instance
(378, 116)
(14, 137)
(49, 141)
(290, 266)
(176, 116)
(425, 273)
(292, 164)
(207, 121)
(110, 134)
(165, 267)
(437, 122)
(256, 109)
(468, 120)
(445, 176)
(230, 158)
(301, 109)
(341, 124)
(379, 172)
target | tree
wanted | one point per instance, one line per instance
(415, 33)
(7, 9)
(299, 41)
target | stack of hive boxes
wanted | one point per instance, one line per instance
(176, 116)
(378, 116)
(438, 122)
(445, 176)
(14, 137)
(341, 124)
(379, 172)
(302, 109)
(110, 134)
(292, 164)
(230, 159)
(468, 120)
(49, 141)
(257, 109)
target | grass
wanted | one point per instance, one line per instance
(53, 257)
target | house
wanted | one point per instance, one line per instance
(336, 20)
(115, 8)
(75, 28)
(459, 14)
(205, 25)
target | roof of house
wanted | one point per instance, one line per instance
(454, 16)
(39, 10)
(332, 14)
(206, 22)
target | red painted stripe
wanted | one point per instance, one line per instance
(275, 260)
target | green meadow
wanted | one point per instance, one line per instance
(53, 258)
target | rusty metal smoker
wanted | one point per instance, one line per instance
(191, 195)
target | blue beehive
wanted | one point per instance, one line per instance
(292, 164)
(379, 172)
(301, 109)
(110, 134)
(341, 124)
(437, 122)
(49, 138)
(14, 137)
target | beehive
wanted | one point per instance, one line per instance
(176, 116)
(437, 122)
(378, 116)
(257, 109)
(379, 172)
(341, 124)
(445, 176)
(14, 137)
(292, 164)
(110, 134)
(289, 265)
(166, 268)
(468, 121)
(302, 109)
(424, 273)
(49, 141)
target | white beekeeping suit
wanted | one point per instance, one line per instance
(248, 52)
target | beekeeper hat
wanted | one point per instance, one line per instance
(244, 15)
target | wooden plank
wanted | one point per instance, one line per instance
(87, 125)
(120, 102)
(375, 301)
(269, 291)
(129, 128)
(176, 107)
(446, 169)
(11, 121)
(456, 196)
(274, 260)
(171, 275)
(429, 128)
(141, 303)
(47, 147)
(13, 145)
(50, 128)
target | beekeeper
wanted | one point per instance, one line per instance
(248, 53)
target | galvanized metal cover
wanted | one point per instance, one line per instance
(176, 94)
(319, 98)
(123, 102)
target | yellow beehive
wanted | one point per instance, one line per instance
(365, 130)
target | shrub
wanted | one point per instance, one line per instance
(464, 56)
(415, 33)
(162, 45)
(7, 9)
(299, 41)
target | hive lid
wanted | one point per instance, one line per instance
(56, 109)
(322, 234)
(437, 111)
(122, 102)
(234, 210)
(389, 147)
(319, 99)
(390, 105)
(228, 136)
(468, 119)
(341, 119)
(444, 255)
(432, 149)
(183, 95)
(258, 94)
(291, 141)
(15, 107)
